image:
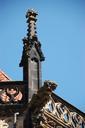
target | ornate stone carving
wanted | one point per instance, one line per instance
(36, 105)
(62, 113)
(42, 97)
(48, 113)
(3, 124)
(10, 95)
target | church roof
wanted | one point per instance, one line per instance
(4, 77)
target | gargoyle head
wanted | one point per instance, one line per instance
(51, 84)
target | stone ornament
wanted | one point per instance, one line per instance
(60, 111)
(3, 124)
(10, 95)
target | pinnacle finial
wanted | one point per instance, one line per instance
(31, 11)
(31, 20)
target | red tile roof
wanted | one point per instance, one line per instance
(4, 77)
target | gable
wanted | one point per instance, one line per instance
(34, 55)
(4, 77)
(35, 50)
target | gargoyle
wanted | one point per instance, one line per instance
(39, 100)
(37, 103)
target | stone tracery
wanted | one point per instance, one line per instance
(63, 113)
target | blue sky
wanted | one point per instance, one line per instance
(61, 31)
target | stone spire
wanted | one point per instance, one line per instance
(31, 39)
(31, 20)
(32, 54)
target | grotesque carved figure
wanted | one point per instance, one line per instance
(37, 103)
(39, 100)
